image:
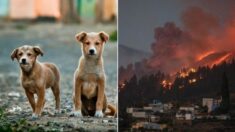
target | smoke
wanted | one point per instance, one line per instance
(201, 35)
(204, 38)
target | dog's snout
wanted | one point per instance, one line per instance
(92, 51)
(23, 61)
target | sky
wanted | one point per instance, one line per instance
(138, 18)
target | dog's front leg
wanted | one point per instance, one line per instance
(100, 98)
(40, 102)
(30, 97)
(77, 97)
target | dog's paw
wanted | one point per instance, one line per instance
(34, 117)
(76, 114)
(99, 113)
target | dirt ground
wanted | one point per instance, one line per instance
(60, 47)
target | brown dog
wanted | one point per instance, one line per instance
(36, 77)
(89, 78)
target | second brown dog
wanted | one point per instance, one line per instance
(89, 78)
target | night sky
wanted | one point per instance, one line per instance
(138, 18)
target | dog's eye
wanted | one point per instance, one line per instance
(20, 54)
(87, 43)
(97, 43)
(29, 54)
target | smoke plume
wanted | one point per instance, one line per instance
(201, 36)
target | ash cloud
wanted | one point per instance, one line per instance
(175, 48)
(203, 39)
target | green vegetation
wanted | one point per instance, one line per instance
(20, 26)
(9, 125)
(113, 36)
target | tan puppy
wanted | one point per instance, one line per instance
(36, 77)
(89, 78)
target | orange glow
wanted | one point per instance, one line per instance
(200, 57)
(181, 86)
(192, 70)
(223, 58)
(122, 85)
(166, 84)
(184, 74)
(192, 80)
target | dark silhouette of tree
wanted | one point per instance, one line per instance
(141, 90)
(225, 103)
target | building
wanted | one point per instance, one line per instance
(148, 126)
(132, 109)
(31, 9)
(61, 10)
(211, 103)
(185, 113)
(167, 106)
(4, 8)
(156, 107)
(187, 108)
(139, 114)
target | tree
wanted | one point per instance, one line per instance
(225, 104)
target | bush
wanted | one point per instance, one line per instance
(113, 36)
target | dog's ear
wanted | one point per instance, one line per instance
(80, 36)
(14, 54)
(104, 36)
(38, 50)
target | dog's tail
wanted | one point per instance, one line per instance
(112, 111)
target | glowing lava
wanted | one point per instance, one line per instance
(221, 59)
(200, 57)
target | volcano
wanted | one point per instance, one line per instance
(215, 58)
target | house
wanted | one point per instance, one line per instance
(156, 107)
(167, 106)
(154, 118)
(139, 114)
(30, 9)
(187, 108)
(185, 116)
(83, 10)
(132, 109)
(211, 103)
(109, 10)
(185, 113)
(4, 8)
(223, 117)
(149, 126)
(151, 112)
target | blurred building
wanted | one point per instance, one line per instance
(61, 10)
(211, 103)
(4, 8)
(30, 9)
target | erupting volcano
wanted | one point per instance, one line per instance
(202, 40)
